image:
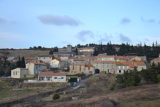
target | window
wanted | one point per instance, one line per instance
(48, 78)
(62, 77)
(55, 77)
(41, 78)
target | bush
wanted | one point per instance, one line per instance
(112, 87)
(158, 77)
(56, 96)
(129, 79)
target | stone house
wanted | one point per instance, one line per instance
(104, 66)
(122, 67)
(155, 61)
(55, 63)
(140, 65)
(35, 68)
(19, 73)
(81, 68)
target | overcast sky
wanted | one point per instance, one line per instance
(49, 23)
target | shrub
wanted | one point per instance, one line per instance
(56, 96)
(112, 87)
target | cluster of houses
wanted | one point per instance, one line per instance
(56, 67)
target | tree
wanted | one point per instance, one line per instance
(21, 62)
(56, 96)
(23, 65)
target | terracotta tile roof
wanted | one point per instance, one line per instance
(139, 63)
(106, 56)
(106, 62)
(39, 63)
(78, 59)
(48, 73)
(130, 64)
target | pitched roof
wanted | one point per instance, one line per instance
(39, 63)
(139, 63)
(105, 56)
(78, 59)
(106, 62)
(49, 73)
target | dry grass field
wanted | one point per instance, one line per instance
(23, 52)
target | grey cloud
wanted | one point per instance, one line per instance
(148, 20)
(84, 34)
(58, 20)
(124, 38)
(125, 21)
(2, 20)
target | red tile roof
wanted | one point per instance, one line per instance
(99, 61)
(139, 63)
(39, 63)
(106, 56)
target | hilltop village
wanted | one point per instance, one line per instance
(60, 66)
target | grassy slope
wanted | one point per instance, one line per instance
(100, 94)
(8, 92)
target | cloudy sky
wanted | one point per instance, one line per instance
(49, 23)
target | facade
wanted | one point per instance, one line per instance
(52, 77)
(140, 65)
(122, 67)
(35, 68)
(155, 61)
(104, 66)
(82, 68)
(55, 63)
(19, 73)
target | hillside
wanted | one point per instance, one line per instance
(23, 52)
(141, 96)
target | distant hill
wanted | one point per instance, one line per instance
(23, 52)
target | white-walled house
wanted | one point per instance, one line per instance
(52, 77)
(19, 73)
(122, 67)
(55, 63)
(35, 68)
